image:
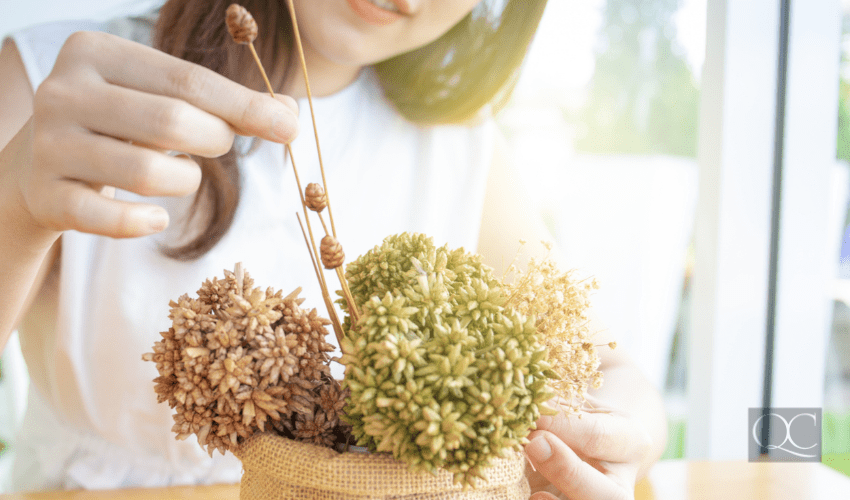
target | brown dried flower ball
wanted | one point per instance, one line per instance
(241, 24)
(235, 362)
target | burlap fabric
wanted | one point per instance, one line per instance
(279, 468)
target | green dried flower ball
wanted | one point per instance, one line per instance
(441, 374)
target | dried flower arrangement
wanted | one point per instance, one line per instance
(447, 367)
(239, 359)
(441, 374)
(560, 303)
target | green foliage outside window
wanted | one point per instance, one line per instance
(643, 97)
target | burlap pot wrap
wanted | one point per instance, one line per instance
(279, 468)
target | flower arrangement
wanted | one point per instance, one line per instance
(441, 374)
(447, 367)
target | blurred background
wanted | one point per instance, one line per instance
(606, 129)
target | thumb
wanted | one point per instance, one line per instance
(567, 472)
(542, 495)
(289, 102)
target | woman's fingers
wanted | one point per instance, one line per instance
(75, 205)
(66, 192)
(152, 71)
(287, 101)
(571, 475)
(103, 118)
(99, 159)
(601, 435)
(162, 122)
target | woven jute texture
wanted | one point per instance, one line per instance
(279, 468)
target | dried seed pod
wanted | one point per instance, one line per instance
(315, 197)
(241, 24)
(235, 363)
(332, 254)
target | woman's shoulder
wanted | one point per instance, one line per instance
(39, 45)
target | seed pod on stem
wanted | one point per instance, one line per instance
(332, 254)
(315, 197)
(241, 24)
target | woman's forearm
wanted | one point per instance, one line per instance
(24, 246)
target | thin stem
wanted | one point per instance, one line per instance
(322, 282)
(312, 112)
(262, 70)
(328, 303)
(513, 261)
(240, 277)
(346, 292)
(309, 250)
(311, 241)
(324, 226)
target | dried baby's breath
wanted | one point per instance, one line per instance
(560, 303)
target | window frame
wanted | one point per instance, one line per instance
(726, 358)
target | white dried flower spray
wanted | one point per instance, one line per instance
(560, 303)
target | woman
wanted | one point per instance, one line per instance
(91, 268)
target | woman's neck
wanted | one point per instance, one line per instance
(326, 77)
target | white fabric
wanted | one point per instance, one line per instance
(93, 421)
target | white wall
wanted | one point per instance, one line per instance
(18, 14)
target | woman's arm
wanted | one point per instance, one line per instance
(105, 117)
(602, 454)
(25, 252)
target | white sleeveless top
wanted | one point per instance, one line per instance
(93, 420)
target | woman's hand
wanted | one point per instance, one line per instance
(109, 113)
(594, 457)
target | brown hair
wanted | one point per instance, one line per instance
(447, 81)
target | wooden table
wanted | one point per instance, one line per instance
(673, 480)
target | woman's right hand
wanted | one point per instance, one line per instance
(107, 116)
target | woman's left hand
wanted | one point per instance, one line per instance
(595, 455)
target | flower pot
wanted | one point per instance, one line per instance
(279, 468)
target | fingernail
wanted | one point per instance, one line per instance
(538, 449)
(157, 219)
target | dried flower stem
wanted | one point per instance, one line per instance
(346, 292)
(325, 226)
(328, 304)
(309, 248)
(240, 277)
(314, 252)
(311, 241)
(312, 113)
(262, 70)
(322, 283)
